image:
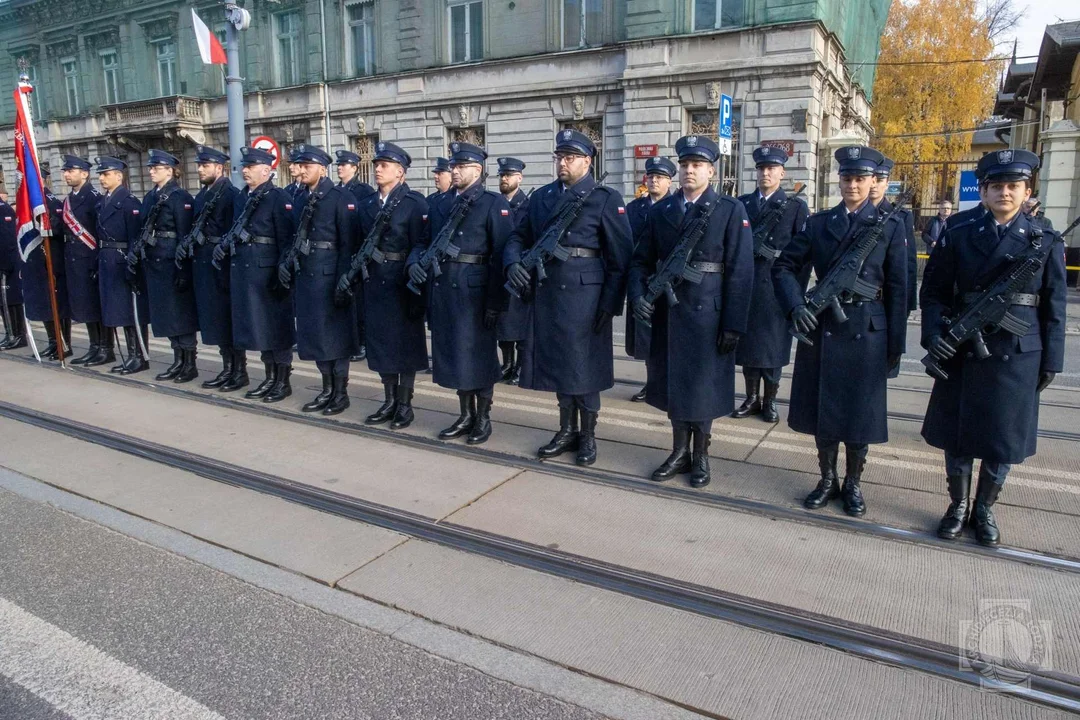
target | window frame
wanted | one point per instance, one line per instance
(295, 36)
(583, 25)
(114, 71)
(718, 20)
(468, 6)
(370, 49)
(71, 83)
(169, 61)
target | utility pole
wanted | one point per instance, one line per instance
(238, 19)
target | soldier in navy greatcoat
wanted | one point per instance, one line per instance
(568, 349)
(512, 324)
(119, 221)
(838, 391)
(692, 351)
(877, 196)
(14, 321)
(80, 260)
(466, 298)
(262, 310)
(325, 321)
(213, 209)
(766, 349)
(36, 283)
(394, 217)
(988, 408)
(348, 164)
(441, 173)
(658, 174)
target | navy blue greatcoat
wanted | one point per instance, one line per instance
(262, 311)
(211, 289)
(394, 316)
(119, 219)
(80, 261)
(637, 337)
(172, 312)
(360, 192)
(989, 408)
(688, 377)
(768, 343)
(838, 391)
(464, 353)
(9, 254)
(513, 324)
(562, 352)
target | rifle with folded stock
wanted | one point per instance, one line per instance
(369, 248)
(239, 232)
(768, 222)
(676, 266)
(443, 247)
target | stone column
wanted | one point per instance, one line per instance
(1059, 176)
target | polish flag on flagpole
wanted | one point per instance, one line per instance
(209, 46)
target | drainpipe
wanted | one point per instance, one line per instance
(325, 74)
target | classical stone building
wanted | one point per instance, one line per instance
(119, 77)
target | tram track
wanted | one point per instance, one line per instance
(1055, 690)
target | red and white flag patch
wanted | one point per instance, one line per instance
(187, 206)
(622, 210)
(424, 218)
(350, 206)
(135, 212)
(746, 223)
(7, 218)
(288, 206)
(504, 213)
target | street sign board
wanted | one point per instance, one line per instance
(646, 151)
(969, 190)
(788, 146)
(894, 187)
(265, 142)
(725, 124)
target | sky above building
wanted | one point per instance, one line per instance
(1039, 14)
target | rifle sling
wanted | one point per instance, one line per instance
(1022, 299)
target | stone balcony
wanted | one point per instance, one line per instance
(176, 115)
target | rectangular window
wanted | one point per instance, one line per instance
(594, 130)
(365, 148)
(110, 69)
(707, 122)
(716, 14)
(466, 30)
(36, 98)
(582, 22)
(166, 66)
(360, 37)
(287, 63)
(71, 84)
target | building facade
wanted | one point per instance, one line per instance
(118, 77)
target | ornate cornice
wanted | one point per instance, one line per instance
(62, 48)
(162, 26)
(102, 40)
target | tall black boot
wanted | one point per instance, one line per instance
(566, 438)
(65, 334)
(956, 516)
(189, 370)
(679, 459)
(239, 377)
(339, 399)
(982, 517)
(227, 357)
(828, 488)
(17, 333)
(95, 343)
(464, 423)
(282, 387)
(481, 429)
(640, 395)
(105, 353)
(50, 352)
(387, 409)
(515, 377)
(507, 368)
(850, 494)
(403, 416)
(768, 403)
(260, 390)
(136, 363)
(700, 472)
(174, 369)
(752, 404)
(320, 401)
(586, 454)
(123, 360)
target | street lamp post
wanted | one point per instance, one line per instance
(238, 19)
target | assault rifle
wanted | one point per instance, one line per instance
(442, 247)
(302, 242)
(239, 231)
(842, 283)
(146, 234)
(989, 312)
(197, 236)
(369, 248)
(676, 266)
(768, 222)
(550, 243)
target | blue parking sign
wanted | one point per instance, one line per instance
(725, 124)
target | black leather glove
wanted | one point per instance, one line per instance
(341, 299)
(892, 362)
(181, 282)
(804, 320)
(643, 310)
(603, 317)
(491, 317)
(728, 341)
(183, 252)
(343, 287)
(1045, 378)
(518, 276)
(284, 275)
(417, 274)
(940, 348)
(220, 251)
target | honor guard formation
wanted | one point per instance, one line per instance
(523, 287)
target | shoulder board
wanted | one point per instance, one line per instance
(964, 223)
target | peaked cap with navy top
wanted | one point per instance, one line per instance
(465, 153)
(255, 156)
(509, 165)
(1007, 165)
(160, 157)
(74, 162)
(660, 166)
(858, 160)
(106, 163)
(441, 165)
(885, 168)
(697, 147)
(347, 157)
(205, 154)
(393, 153)
(768, 155)
(572, 141)
(313, 154)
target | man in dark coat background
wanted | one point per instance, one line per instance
(348, 166)
(513, 323)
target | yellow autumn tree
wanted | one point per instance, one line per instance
(925, 107)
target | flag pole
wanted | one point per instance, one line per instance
(46, 227)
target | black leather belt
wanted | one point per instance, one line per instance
(861, 300)
(163, 234)
(583, 252)
(708, 267)
(262, 240)
(114, 245)
(1024, 299)
(394, 257)
(470, 259)
(323, 245)
(213, 240)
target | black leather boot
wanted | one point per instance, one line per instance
(339, 398)
(260, 390)
(828, 488)
(515, 377)
(752, 404)
(123, 361)
(188, 369)
(403, 416)
(680, 458)
(481, 429)
(105, 353)
(136, 363)
(239, 377)
(17, 332)
(586, 454)
(320, 401)
(982, 517)
(463, 425)
(506, 370)
(851, 494)
(639, 396)
(387, 409)
(50, 352)
(956, 517)
(768, 403)
(700, 472)
(92, 329)
(226, 371)
(174, 369)
(566, 438)
(282, 387)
